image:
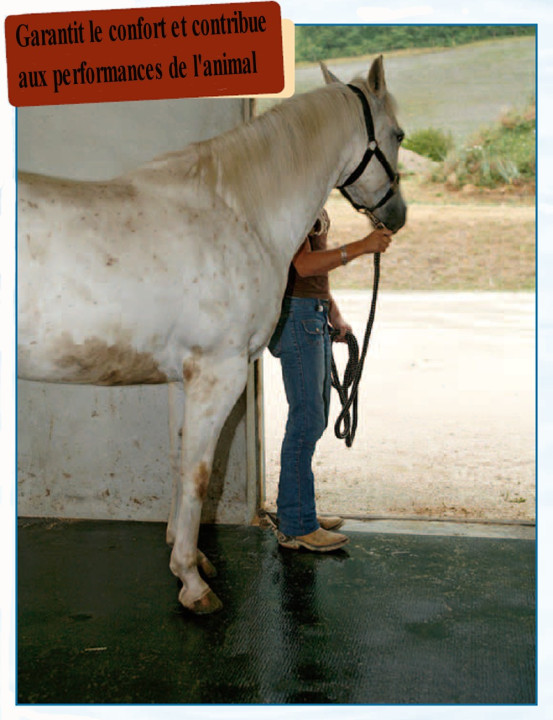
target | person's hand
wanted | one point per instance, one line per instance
(377, 241)
(342, 327)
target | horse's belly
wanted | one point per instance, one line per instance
(124, 303)
(88, 327)
(93, 362)
(110, 327)
(80, 344)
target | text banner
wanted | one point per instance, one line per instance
(144, 54)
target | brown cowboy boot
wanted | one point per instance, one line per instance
(318, 541)
(330, 522)
(327, 522)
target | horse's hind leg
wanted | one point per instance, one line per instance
(211, 388)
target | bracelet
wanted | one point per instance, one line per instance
(344, 255)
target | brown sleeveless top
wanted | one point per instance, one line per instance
(316, 286)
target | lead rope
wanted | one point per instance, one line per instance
(346, 423)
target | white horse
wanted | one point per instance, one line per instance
(175, 271)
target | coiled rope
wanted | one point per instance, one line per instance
(348, 388)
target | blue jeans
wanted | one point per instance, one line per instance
(301, 341)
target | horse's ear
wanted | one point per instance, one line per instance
(328, 76)
(377, 81)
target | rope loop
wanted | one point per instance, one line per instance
(348, 388)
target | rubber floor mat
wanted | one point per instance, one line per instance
(390, 619)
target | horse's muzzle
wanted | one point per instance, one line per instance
(393, 214)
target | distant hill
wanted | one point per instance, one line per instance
(324, 42)
(456, 89)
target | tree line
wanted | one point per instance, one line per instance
(323, 42)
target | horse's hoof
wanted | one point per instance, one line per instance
(205, 565)
(207, 604)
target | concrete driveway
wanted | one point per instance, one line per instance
(447, 411)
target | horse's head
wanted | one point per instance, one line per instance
(372, 186)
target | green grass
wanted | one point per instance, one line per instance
(500, 154)
(433, 144)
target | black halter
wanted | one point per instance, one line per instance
(373, 150)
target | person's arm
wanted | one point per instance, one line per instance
(319, 262)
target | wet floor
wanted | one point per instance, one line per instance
(391, 619)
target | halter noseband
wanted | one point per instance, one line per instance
(373, 150)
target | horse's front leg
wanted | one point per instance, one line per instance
(212, 388)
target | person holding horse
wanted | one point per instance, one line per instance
(302, 343)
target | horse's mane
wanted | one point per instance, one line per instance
(293, 140)
(280, 153)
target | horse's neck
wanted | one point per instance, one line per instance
(278, 171)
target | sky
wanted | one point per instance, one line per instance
(538, 12)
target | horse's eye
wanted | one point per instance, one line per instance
(400, 135)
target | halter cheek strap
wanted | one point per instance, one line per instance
(373, 150)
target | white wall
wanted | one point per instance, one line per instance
(86, 452)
